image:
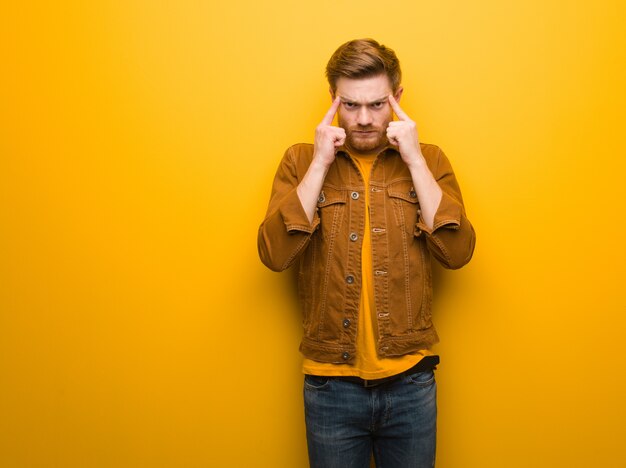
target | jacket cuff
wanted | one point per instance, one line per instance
(294, 216)
(448, 215)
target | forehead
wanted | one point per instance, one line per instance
(363, 89)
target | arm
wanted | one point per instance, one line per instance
(286, 229)
(292, 216)
(403, 134)
(450, 235)
(327, 139)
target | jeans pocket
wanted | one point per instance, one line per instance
(422, 379)
(315, 382)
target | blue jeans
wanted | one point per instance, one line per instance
(346, 422)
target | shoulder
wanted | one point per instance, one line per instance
(299, 156)
(430, 151)
(300, 151)
(435, 157)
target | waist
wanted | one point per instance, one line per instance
(427, 363)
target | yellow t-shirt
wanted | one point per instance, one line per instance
(367, 364)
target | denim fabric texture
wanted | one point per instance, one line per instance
(327, 251)
(396, 421)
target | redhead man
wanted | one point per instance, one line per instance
(362, 212)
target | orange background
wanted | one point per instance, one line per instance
(138, 142)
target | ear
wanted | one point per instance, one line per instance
(398, 94)
(332, 93)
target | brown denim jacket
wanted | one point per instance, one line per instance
(329, 249)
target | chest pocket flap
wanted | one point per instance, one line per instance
(331, 196)
(403, 190)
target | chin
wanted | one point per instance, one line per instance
(366, 145)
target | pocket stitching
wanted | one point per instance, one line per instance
(422, 383)
(310, 386)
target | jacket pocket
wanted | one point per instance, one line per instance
(406, 206)
(330, 205)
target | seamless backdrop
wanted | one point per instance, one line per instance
(138, 142)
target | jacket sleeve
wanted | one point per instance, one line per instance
(452, 238)
(285, 232)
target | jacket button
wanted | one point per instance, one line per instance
(349, 279)
(353, 236)
(345, 356)
(355, 195)
(321, 198)
(346, 323)
(412, 194)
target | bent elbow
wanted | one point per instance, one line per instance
(272, 265)
(458, 254)
(457, 263)
(271, 255)
(269, 260)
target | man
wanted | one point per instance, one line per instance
(362, 211)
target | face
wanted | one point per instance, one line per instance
(365, 112)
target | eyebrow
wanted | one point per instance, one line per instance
(354, 101)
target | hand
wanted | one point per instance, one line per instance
(328, 137)
(403, 134)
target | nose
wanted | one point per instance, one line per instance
(364, 116)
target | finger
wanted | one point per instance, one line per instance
(330, 115)
(393, 129)
(336, 132)
(340, 138)
(397, 109)
(392, 140)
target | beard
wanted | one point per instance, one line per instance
(366, 139)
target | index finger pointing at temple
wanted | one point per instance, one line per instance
(330, 115)
(397, 109)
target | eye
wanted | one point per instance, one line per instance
(378, 105)
(349, 105)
